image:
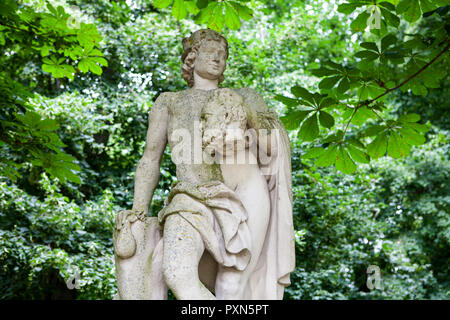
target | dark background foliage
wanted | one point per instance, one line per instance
(392, 213)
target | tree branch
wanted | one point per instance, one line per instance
(409, 78)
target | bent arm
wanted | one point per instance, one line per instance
(147, 171)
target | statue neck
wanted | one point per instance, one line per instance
(203, 83)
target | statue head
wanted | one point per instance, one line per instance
(206, 53)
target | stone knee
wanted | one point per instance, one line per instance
(178, 277)
(183, 248)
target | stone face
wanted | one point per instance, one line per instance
(226, 229)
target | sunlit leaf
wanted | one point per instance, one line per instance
(309, 129)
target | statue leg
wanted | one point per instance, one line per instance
(183, 249)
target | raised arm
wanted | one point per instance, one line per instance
(148, 168)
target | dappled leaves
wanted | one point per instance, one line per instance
(65, 47)
(215, 15)
(38, 136)
(358, 91)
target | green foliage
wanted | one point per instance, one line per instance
(390, 211)
(214, 14)
(50, 239)
(360, 89)
(64, 49)
(393, 214)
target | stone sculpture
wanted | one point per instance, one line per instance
(226, 230)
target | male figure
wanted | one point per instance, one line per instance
(228, 224)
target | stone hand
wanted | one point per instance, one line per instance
(126, 217)
(124, 242)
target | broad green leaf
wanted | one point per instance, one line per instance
(287, 101)
(100, 60)
(412, 137)
(360, 23)
(391, 18)
(348, 8)
(375, 90)
(334, 137)
(179, 10)
(202, 4)
(370, 46)
(313, 153)
(362, 115)
(293, 119)
(300, 92)
(327, 102)
(328, 157)
(54, 67)
(88, 35)
(343, 161)
(388, 5)
(410, 117)
(363, 92)
(417, 126)
(428, 5)
(30, 118)
(217, 19)
(397, 148)
(309, 129)
(329, 82)
(344, 85)
(417, 88)
(90, 64)
(357, 154)
(335, 66)
(326, 119)
(410, 9)
(64, 174)
(377, 148)
(232, 19)
(373, 130)
(191, 6)
(366, 54)
(45, 50)
(355, 142)
(245, 12)
(322, 72)
(162, 3)
(51, 8)
(48, 125)
(388, 41)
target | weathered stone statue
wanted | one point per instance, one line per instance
(226, 229)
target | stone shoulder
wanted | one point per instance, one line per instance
(164, 101)
(254, 99)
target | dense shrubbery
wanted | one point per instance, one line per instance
(45, 239)
(391, 213)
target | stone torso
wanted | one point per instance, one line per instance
(185, 111)
(184, 120)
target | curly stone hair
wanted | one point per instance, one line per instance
(191, 45)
